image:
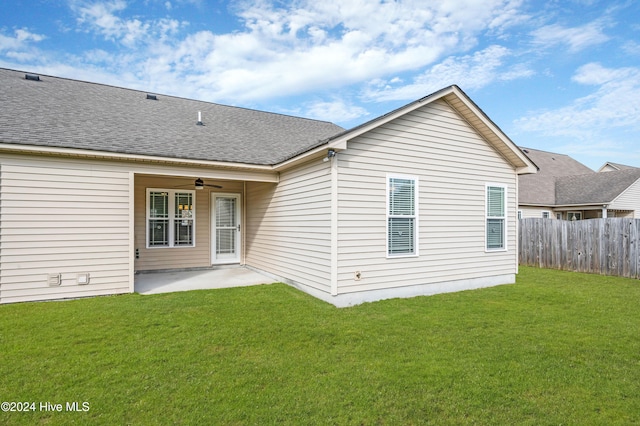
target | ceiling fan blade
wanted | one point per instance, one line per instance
(198, 184)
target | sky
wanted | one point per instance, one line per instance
(558, 75)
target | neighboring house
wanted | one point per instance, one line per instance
(566, 189)
(611, 167)
(99, 182)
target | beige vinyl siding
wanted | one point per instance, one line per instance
(288, 225)
(158, 258)
(67, 217)
(628, 200)
(453, 164)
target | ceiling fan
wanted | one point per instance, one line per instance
(199, 184)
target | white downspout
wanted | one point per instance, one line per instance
(517, 230)
(243, 225)
(334, 225)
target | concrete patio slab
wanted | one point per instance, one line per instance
(167, 282)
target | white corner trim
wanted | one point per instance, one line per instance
(132, 245)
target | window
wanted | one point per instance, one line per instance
(496, 217)
(546, 215)
(519, 214)
(170, 218)
(574, 215)
(402, 216)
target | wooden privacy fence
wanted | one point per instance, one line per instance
(600, 246)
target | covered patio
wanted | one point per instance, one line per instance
(202, 279)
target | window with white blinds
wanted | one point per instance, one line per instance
(496, 217)
(170, 218)
(402, 216)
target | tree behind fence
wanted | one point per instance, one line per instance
(600, 246)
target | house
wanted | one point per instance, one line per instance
(610, 167)
(99, 183)
(566, 189)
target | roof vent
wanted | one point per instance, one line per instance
(200, 123)
(32, 77)
(152, 97)
(526, 151)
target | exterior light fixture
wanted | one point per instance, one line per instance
(330, 154)
(199, 184)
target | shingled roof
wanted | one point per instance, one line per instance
(540, 188)
(563, 181)
(595, 188)
(66, 113)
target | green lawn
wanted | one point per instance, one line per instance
(555, 348)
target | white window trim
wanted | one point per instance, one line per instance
(505, 217)
(416, 215)
(548, 214)
(171, 214)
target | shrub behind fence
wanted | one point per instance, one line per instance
(600, 246)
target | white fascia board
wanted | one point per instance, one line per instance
(318, 152)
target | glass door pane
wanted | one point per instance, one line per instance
(226, 228)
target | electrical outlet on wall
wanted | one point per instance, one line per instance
(357, 276)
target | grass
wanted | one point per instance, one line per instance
(555, 348)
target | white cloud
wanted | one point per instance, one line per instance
(631, 47)
(101, 17)
(21, 39)
(576, 39)
(336, 111)
(21, 46)
(469, 72)
(336, 43)
(614, 104)
(294, 48)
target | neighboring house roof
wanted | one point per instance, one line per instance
(609, 166)
(595, 188)
(540, 189)
(65, 113)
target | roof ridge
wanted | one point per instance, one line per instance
(546, 152)
(165, 95)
